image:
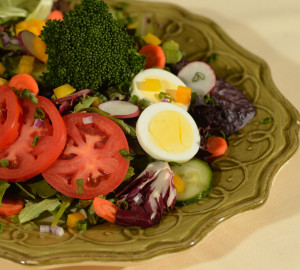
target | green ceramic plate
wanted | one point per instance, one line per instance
(242, 179)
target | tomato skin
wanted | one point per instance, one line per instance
(91, 154)
(10, 117)
(26, 160)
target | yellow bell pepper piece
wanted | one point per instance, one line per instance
(35, 26)
(73, 218)
(63, 90)
(178, 183)
(152, 39)
(2, 68)
(183, 94)
(3, 81)
(39, 47)
(131, 26)
(26, 64)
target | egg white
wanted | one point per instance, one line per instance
(144, 137)
(158, 74)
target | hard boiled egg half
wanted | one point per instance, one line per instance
(154, 83)
(167, 132)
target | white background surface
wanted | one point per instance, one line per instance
(267, 237)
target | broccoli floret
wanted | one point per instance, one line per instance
(89, 49)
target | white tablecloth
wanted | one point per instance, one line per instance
(267, 237)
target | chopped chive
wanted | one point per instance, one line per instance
(36, 139)
(79, 182)
(4, 163)
(39, 113)
(198, 76)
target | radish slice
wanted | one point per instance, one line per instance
(199, 76)
(26, 39)
(77, 94)
(120, 109)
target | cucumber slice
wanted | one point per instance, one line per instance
(197, 178)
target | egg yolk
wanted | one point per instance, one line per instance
(171, 131)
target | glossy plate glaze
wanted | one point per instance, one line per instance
(242, 178)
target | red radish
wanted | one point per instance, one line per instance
(120, 109)
(199, 76)
(26, 39)
(77, 94)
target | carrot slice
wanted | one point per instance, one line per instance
(105, 209)
(155, 56)
(55, 15)
(217, 146)
(11, 206)
(24, 81)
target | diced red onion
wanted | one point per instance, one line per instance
(57, 230)
(44, 228)
(15, 41)
(38, 123)
(88, 120)
(165, 100)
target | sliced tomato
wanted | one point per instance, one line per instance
(10, 117)
(11, 206)
(91, 163)
(26, 160)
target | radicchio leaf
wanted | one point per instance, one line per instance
(147, 196)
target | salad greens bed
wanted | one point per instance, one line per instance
(96, 51)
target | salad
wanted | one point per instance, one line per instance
(102, 122)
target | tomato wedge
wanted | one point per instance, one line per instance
(36, 148)
(91, 163)
(10, 117)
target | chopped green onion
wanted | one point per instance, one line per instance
(79, 183)
(212, 58)
(81, 225)
(144, 103)
(198, 76)
(267, 120)
(163, 95)
(126, 154)
(4, 163)
(36, 139)
(39, 113)
(134, 99)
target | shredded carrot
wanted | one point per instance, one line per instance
(155, 56)
(105, 209)
(55, 15)
(11, 206)
(24, 81)
(217, 146)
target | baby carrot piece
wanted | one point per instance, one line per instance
(24, 81)
(155, 56)
(11, 206)
(217, 146)
(55, 15)
(105, 209)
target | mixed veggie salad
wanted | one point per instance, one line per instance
(101, 122)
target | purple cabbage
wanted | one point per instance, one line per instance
(230, 112)
(147, 196)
